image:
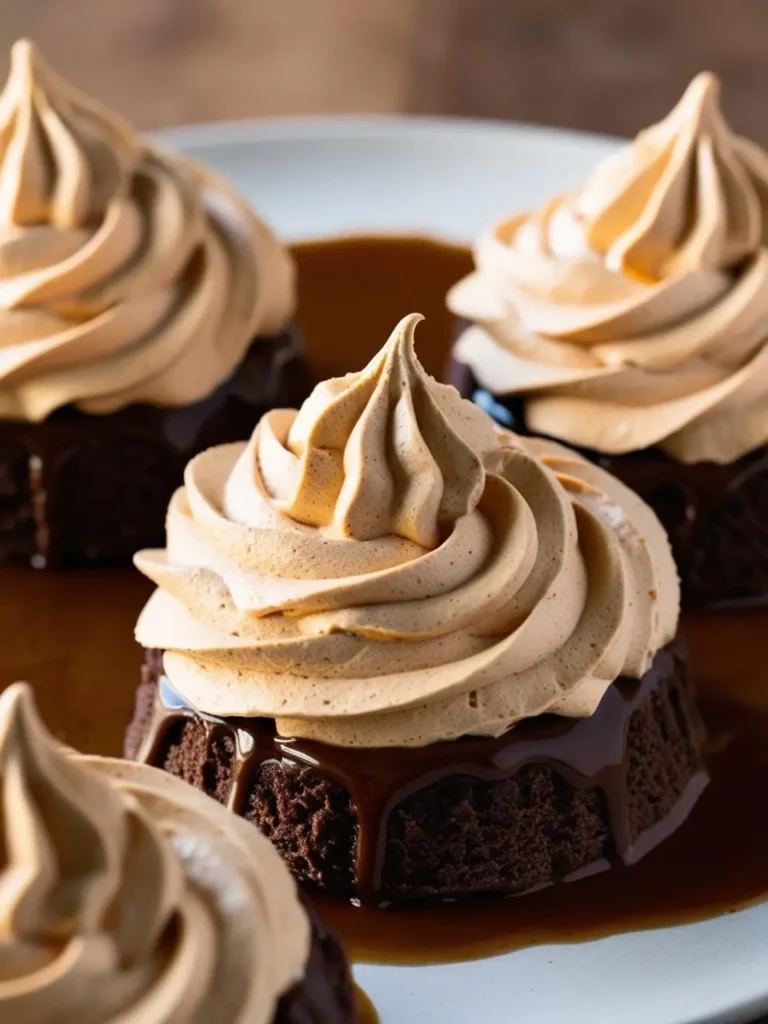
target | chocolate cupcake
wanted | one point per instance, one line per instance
(146, 313)
(629, 318)
(126, 895)
(429, 658)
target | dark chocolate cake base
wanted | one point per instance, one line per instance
(551, 800)
(325, 994)
(79, 490)
(716, 515)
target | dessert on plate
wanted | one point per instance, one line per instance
(146, 312)
(629, 318)
(127, 896)
(427, 657)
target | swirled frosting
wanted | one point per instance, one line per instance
(385, 568)
(634, 311)
(125, 895)
(127, 273)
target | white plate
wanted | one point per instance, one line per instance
(451, 178)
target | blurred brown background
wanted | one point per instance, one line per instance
(608, 65)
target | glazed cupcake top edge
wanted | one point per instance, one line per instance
(128, 273)
(126, 894)
(633, 311)
(385, 567)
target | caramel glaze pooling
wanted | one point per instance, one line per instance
(588, 753)
(383, 276)
(714, 864)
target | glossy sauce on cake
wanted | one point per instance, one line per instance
(98, 657)
(715, 864)
(385, 568)
(586, 780)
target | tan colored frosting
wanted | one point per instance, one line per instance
(634, 312)
(126, 895)
(385, 568)
(127, 273)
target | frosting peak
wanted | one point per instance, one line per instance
(383, 452)
(440, 579)
(62, 834)
(61, 156)
(122, 897)
(127, 273)
(687, 194)
(633, 311)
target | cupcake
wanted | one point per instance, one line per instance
(427, 657)
(145, 314)
(125, 895)
(629, 318)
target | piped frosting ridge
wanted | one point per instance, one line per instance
(127, 895)
(386, 568)
(127, 273)
(634, 311)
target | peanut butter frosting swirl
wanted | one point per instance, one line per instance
(385, 568)
(127, 273)
(634, 312)
(128, 896)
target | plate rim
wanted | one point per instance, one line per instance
(232, 132)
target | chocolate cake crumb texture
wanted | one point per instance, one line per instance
(461, 834)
